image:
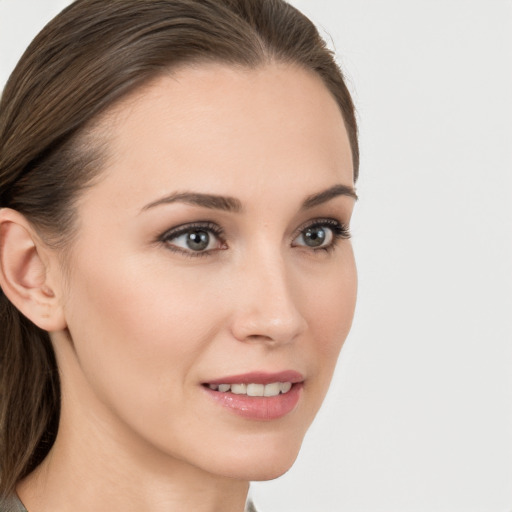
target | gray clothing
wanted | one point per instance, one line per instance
(12, 504)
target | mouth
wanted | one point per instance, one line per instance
(253, 389)
(258, 396)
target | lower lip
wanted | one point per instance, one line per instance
(265, 408)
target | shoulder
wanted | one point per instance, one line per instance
(249, 507)
(11, 504)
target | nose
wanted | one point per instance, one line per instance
(267, 304)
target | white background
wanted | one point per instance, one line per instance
(419, 417)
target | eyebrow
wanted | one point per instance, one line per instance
(214, 202)
(326, 195)
(231, 204)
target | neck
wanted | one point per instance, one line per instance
(96, 464)
(104, 480)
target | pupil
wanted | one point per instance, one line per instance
(314, 237)
(198, 240)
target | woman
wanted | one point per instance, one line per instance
(176, 187)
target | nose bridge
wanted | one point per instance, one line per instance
(268, 308)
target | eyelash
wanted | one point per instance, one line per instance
(174, 233)
(339, 231)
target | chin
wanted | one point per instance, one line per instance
(262, 461)
(271, 472)
(258, 471)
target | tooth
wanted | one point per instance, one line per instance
(215, 387)
(272, 389)
(255, 389)
(224, 387)
(285, 386)
(239, 389)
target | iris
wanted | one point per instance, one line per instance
(198, 240)
(314, 236)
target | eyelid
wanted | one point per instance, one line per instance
(182, 229)
(189, 226)
(331, 222)
(340, 231)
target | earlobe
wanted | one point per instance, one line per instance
(24, 275)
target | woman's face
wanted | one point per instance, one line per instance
(212, 252)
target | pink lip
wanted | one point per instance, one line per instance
(260, 378)
(258, 407)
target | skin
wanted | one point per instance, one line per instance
(144, 323)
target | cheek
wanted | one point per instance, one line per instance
(136, 329)
(331, 311)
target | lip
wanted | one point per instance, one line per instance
(258, 407)
(260, 378)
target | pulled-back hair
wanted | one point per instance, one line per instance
(89, 57)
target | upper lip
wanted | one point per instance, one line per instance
(260, 377)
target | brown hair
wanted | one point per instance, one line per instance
(91, 55)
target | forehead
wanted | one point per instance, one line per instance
(213, 127)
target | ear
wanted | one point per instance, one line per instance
(24, 272)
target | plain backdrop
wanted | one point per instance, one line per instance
(419, 417)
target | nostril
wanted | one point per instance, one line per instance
(259, 337)
(271, 329)
(267, 309)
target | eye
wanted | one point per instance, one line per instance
(194, 239)
(321, 234)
